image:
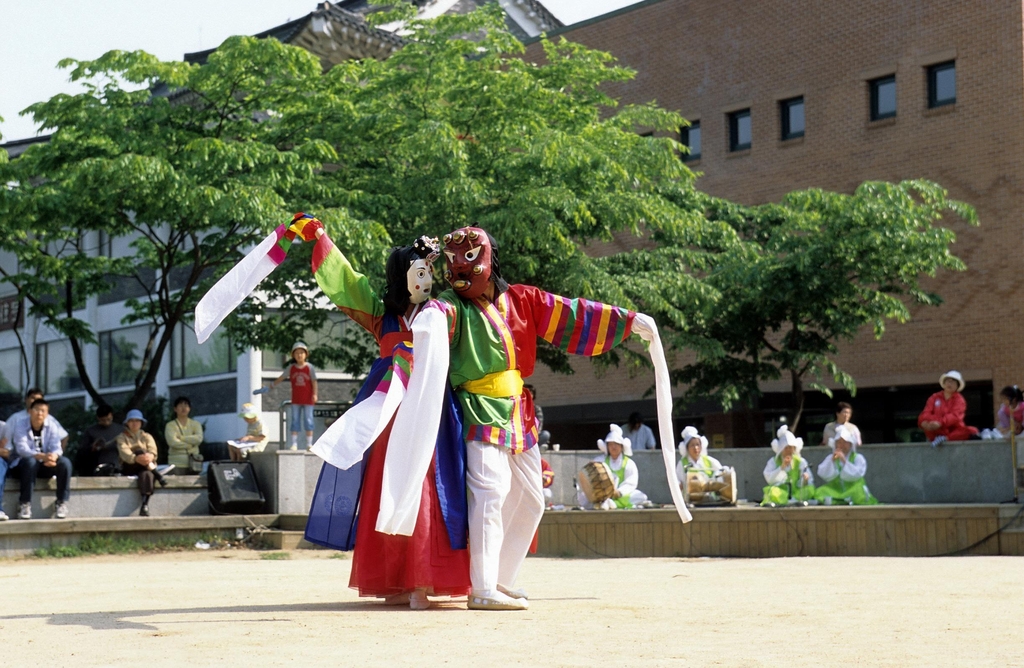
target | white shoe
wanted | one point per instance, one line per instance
(418, 600)
(25, 511)
(514, 593)
(3, 516)
(495, 600)
(293, 446)
(61, 511)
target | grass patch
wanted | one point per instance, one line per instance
(339, 555)
(99, 543)
(275, 556)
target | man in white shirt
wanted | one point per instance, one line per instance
(640, 435)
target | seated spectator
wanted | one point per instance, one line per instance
(640, 435)
(943, 416)
(12, 422)
(844, 412)
(1011, 412)
(39, 453)
(184, 436)
(547, 476)
(138, 457)
(5, 453)
(240, 448)
(843, 472)
(97, 448)
(624, 473)
(787, 474)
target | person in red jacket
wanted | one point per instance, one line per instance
(943, 416)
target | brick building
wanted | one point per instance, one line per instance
(796, 94)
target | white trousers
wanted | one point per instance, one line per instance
(506, 502)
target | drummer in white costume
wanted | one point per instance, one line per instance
(693, 450)
(624, 473)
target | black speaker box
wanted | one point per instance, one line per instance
(233, 489)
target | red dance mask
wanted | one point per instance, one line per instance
(467, 253)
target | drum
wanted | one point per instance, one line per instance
(717, 490)
(596, 482)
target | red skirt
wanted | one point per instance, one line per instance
(383, 565)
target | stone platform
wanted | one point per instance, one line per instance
(185, 495)
(750, 531)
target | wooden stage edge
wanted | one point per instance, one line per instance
(753, 532)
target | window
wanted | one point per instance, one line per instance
(55, 368)
(883, 97)
(121, 353)
(190, 360)
(942, 84)
(690, 138)
(9, 262)
(332, 332)
(10, 370)
(792, 112)
(739, 130)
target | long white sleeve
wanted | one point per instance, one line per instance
(773, 473)
(827, 469)
(680, 471)
(854, 470)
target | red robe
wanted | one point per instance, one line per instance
(949, 413)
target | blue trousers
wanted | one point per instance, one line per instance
(29, 469)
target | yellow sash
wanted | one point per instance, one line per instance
(500, 384)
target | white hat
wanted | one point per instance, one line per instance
(843, 432)
(615, 436)
(786, 438)
(689, 434)
(955, 375)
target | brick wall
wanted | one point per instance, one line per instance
(706, 57)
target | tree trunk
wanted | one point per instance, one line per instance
(798, 399)
(76, 349)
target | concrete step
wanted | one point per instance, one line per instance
(288, 540)
(21, 537)
(114, 496)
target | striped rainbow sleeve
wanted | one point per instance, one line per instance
(580, 326)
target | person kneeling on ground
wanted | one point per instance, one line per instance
(943, 416)
(699, 474)
(787, 474)
(39, 453)
(138, 457)
(624, 473)
(843, 472)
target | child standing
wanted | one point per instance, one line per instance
(302, 376)
(787, 474)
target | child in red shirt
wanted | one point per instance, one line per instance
(943, 416)
(302, 376)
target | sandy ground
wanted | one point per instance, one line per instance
(235, 608)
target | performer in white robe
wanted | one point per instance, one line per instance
(693, 452)
(624, 473)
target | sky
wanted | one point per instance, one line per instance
(36, 34)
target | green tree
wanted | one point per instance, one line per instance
(813, 271)
(185, 161)
(456, 128)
